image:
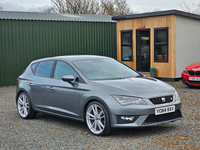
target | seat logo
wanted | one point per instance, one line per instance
(163, 99)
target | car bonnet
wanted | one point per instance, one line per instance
(139, 87)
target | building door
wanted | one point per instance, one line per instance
(143, 50)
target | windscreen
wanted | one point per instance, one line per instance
(96, 69)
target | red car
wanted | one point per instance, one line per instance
(191, 74)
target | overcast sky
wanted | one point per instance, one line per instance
(136, 5)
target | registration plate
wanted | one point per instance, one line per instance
(164, 110)
(194, 79)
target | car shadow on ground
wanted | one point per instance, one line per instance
(193, 87)
(76, 125)
(144, 131)
(60, 121)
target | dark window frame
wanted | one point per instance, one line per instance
(163, 43)
(131, 44)
(136, 52)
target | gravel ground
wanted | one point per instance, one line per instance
(48, 132)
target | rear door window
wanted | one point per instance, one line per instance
(44, 68)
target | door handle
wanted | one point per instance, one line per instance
(31, 84)
(51, 88)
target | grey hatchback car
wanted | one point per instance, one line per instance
(97, 90)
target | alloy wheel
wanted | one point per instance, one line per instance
(23, 105)
(95, 118)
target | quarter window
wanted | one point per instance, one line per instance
(126, 45)
(161, 45)
(63, 69)
(33, 66)
(44, 69)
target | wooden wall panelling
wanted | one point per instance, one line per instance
(166, 70)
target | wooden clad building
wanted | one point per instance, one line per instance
(166, 40)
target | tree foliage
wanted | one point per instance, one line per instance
(194, 8)
(115, 7)
(103, 7)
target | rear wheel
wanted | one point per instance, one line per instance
(24, 106)
(97, 119)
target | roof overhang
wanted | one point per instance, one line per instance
(157, 13)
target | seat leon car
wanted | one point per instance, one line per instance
(97, 90)
(191, 75)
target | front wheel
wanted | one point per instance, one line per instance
(97, 119)
(24, 106)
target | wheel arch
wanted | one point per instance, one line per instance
(21, 90)
(92, 99)
(31, 113)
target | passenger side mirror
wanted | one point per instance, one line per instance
(69, 79)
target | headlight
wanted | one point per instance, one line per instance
(184, 71)
(126, 100)
(176, 96)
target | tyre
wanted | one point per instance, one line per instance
(97, 119)
(24, 107)
(188, 85)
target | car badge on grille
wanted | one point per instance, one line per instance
(163, 99)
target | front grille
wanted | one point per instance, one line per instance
(197, 73)
(194, 82)
(162, 100)
(191, 72)
(160, 118)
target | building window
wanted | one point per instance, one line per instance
(126, 45)
(161, 45)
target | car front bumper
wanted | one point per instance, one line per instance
(185, 80)
(141, 115)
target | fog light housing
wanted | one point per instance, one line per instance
(184, 81)
(126, 119)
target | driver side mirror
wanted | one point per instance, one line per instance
(69, 79)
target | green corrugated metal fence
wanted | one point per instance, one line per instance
(24, 41)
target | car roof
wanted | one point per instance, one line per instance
(70, 58)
